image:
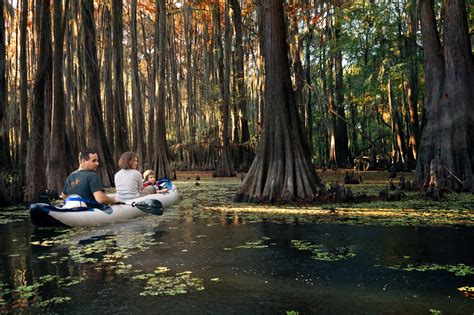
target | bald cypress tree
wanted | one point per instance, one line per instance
(446, 152)
(282, 169)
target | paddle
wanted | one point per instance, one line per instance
(151, 206)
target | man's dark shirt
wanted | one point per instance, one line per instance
(83, 183)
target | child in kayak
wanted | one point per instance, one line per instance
(149, 183)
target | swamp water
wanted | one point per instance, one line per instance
(203, 262)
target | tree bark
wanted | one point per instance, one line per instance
(174, 82)
(282, 169)
(56, 166)
(161, 164)
(4, 165)
(396, 123)
(138, 121)
(24, 136)
(448, 134)
(120, 126)
(96, 137)
(36, 165)
(342, 140)
(412, 84)
(225, 164)
(108, 92)
(189, 84)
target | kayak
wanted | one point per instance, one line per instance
(76, 213)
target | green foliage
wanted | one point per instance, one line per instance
(459, 270)
(159, 284)
(320, 252)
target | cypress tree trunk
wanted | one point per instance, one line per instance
(138, 121)
(189, 85)
(36, 164)
(121, 129)
(161, 149)
(3, 106)
(282, 169)
(174, 81)
(96, 138)
(24, 136)
(109, 93)
(224, 165)
(396, 123)
(57, 169)
(412, 86)
(448, 135)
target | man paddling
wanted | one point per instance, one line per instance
(85, 182)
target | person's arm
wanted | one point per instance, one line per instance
(98, 191)
(102, 198)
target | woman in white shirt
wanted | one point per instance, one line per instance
(128, 181)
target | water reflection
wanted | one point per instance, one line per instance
(216, 262)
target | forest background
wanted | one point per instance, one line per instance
(183, 85)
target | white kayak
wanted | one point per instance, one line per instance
(43, 214)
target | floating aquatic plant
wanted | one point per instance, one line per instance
(320, 252)
(159, 283)
(13, 214)
(255, 244)
(459, 269)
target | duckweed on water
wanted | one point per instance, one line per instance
(320, 252)
(27, 292)
(255, 244)
(12, 215)
(159, 284)
(459, 269)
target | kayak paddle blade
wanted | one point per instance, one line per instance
(151, 206)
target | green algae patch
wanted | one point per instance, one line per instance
(459, 270)
(163, 283)
(321, 252)
(255, 244)
(13, 214)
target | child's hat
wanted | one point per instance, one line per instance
(146, 173)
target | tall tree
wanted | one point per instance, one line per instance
(138, 121)
(161, 164)
(120, 127)
(108, 86)
(412, 84)
(446, 153)
(56, 165)
(342, 139)
(224, 165)
(36, 164)
(174, 80)
(4, 161)
(239, 71)
(188, 16)
(282, 169)
(96, 137)
(23, 92)
(396, 123)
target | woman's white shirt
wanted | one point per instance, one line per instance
(128, 184)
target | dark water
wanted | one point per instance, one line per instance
(225, 264)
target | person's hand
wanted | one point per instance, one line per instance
(163, 190)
